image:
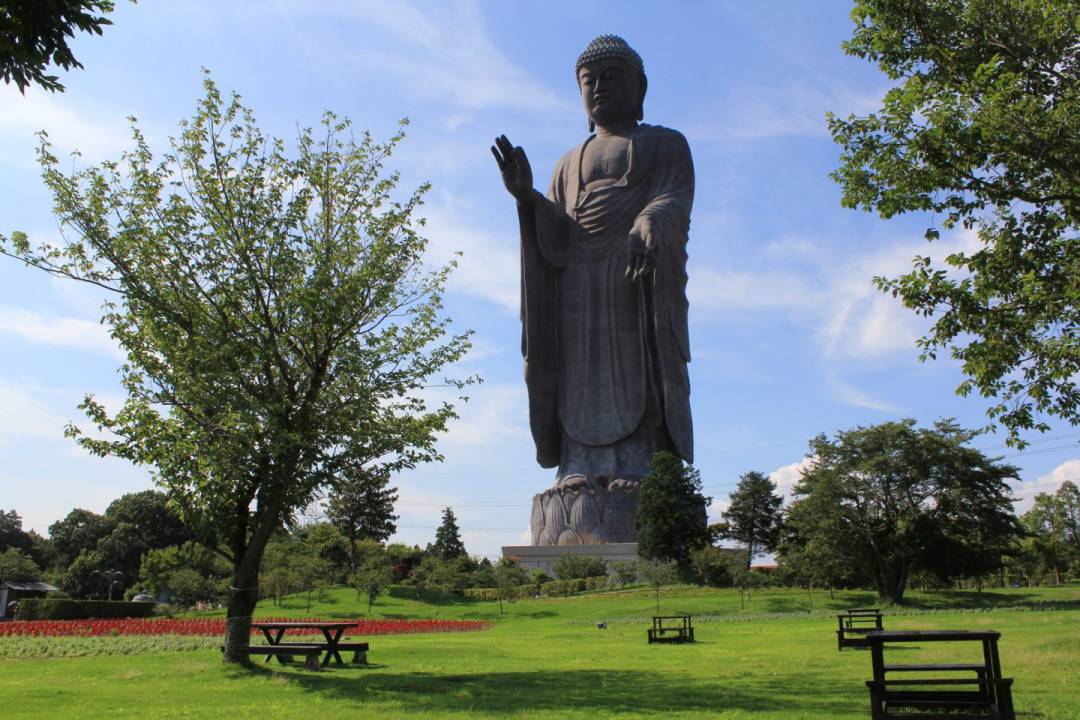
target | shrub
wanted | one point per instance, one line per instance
(580, 566)
(63, 609)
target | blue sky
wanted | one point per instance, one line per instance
(789, 338)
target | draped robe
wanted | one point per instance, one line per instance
(605, 358)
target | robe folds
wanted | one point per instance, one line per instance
(605, 358)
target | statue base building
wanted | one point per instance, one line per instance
(544, 557)
(579, 512)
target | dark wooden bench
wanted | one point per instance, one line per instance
(853, 626)
(285, 653)
(929, 691)
(358, 649)
(671, 628)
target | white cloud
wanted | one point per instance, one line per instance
(494, 417)
(752, 113)
(851, 395)
(91, 131)
(787, 476)
(488, 267)
(446, 55)
(1025, 492)
(833, 296)
(713, 291)
(58, 331)
(24, 413)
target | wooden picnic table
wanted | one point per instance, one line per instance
(332, 632)
(854, 624)
(948, 692)
(671, 628)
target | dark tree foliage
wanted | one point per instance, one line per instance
(569, 567)
(361, 505)
(671, 517)
(11, 533)
(448, 544)
(34, 33)
(981, 131)
(144, 521)
(891, 498)
(753, 517)
(78, 532)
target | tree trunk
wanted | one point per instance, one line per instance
(892, 582)
(244, 593)
(242, 600)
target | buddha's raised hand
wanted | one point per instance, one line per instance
(515, 169)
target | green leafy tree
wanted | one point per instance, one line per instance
(34, 33)
(509, 576)
(372, 578)
(168, 572)
(12, 535)
(624, 572)
(657, 573)
(361, 506)
(709, 564)
(78, 532)
(1067, 499)
(448, 544)
(143, 521)
(442, 577)
(830, 553)
(87, 576)
(403, 559)
(569, 567)
(671, 517)
(753, 517)
(325, 541)
(981, 131)
(889, 497)
(278, 575)
(11, 532)
(17, 565)
(277, 317)
(1051, 524)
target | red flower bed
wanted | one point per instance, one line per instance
(216, 626)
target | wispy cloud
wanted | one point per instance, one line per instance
(25, 413)
(796, 109)
(488, 266)
(96, 134)
(1025, 491)
(58, 331)
(444, 53)
(832, 295)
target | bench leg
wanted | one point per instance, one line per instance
(359, 657)
(311, 662)
(877, 705)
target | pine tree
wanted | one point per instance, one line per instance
(448, 543)
(361, 506)
(753, 518)
(671, 519)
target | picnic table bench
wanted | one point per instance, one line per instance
(854, 624)
(332, 647)
(938, 690)
(671, 628)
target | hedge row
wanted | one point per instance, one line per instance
(554, 588)
(65, 609)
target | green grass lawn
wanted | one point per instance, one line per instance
(546, 659)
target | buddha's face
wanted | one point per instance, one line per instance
(611, 91)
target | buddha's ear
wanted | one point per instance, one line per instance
(641, 102)
(592, 125)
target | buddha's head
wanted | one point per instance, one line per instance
(612, 82)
